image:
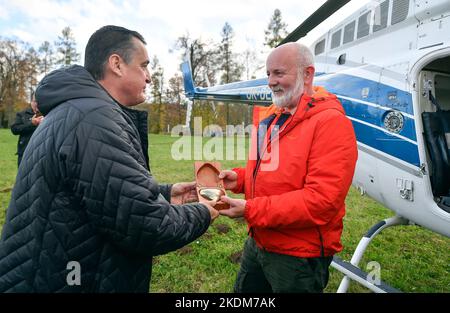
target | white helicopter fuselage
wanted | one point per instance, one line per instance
(380, 79)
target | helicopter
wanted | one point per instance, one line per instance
(398, 99)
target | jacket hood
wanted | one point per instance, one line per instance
(65, 84)
(320, 101)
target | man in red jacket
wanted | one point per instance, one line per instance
(296, 185)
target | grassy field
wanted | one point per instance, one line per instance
(412, 259)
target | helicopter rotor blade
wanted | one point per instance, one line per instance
(321, 14)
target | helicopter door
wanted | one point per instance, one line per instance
(435, 100)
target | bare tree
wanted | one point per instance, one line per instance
(201, 57)
(174, 95)
(157, 87)
(32, 63)
(252, 64)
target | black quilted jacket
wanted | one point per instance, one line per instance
(84, 193)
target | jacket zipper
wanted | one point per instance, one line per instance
(255, 171)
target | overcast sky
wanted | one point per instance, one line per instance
(160, 22)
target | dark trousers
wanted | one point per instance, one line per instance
(267, 272)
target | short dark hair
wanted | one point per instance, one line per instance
(106, 41)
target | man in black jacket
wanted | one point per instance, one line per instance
(86, 215)
(25, 124)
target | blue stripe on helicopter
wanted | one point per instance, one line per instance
(262, 82)
(387, 143)
(379, 94)
(375, 116)
(374, 92)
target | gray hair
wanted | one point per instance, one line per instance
(305, 56)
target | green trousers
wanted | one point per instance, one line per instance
(268, 272)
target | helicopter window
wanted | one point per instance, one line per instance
(400, 10)
(363, 25)
(381, 16)
(336, 39)
(320, 47)
(349, 32)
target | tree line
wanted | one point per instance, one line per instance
(21, 67)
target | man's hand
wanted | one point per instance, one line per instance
(213, 212)
(183, 193)
(237, 207)
(36, 120)
(229, 179)
(186, 192)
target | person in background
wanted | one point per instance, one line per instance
(24, 125)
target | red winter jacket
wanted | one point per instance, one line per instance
(296, 204)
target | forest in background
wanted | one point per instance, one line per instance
(22, 66)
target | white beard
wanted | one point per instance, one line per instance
(289, 95)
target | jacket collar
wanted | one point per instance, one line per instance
(308, 105)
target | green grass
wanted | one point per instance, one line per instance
(412, 259)
(8, 169)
